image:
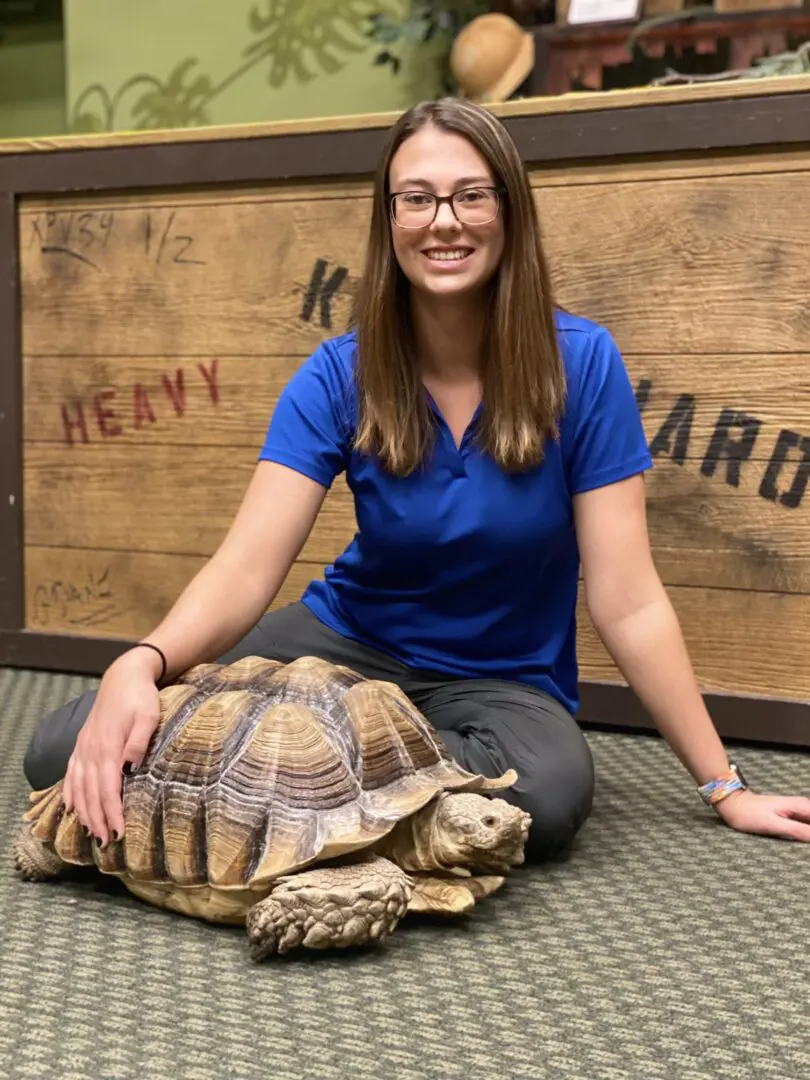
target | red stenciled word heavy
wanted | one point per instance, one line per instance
(104, 415)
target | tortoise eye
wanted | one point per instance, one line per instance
(489, 822)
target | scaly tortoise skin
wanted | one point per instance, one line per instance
(260, 769)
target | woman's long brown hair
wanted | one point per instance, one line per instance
(523, 376)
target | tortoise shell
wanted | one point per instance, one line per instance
(259, 768)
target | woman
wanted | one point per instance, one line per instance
(491, 442)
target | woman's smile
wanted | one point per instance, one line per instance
(447, 257)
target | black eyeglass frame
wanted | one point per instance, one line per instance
(499, 192)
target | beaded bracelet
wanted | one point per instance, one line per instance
(717, 790)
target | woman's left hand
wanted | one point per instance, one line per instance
(769, 815)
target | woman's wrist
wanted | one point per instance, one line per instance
(145, 658)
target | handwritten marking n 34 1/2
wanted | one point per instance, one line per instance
(85, 236)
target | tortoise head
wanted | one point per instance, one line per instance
(479, 833)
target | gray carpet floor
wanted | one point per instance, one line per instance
(664, 946)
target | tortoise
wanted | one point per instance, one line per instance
(308, 803)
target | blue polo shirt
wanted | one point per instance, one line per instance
(461, 568)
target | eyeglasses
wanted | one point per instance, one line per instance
(418, 209)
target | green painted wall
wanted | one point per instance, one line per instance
(32, 82)
(191, 62)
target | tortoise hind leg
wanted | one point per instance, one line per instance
(34, 860)
(331, 906)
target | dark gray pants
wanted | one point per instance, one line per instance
(488, 725)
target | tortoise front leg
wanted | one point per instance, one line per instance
(330, 906)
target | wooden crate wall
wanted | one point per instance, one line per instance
(158, 331)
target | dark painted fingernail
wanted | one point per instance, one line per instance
(116, 835)
(99, 841)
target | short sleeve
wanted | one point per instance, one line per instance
(608, 442)
(309, 430)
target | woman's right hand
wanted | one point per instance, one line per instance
(121, 722)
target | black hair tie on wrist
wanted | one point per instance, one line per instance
(161, 654)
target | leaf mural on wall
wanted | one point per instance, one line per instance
(298, 38)
(180, 102)
(89, 116)
(173, 103)
(295, 32)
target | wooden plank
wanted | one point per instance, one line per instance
(255, 278)
(580, 101)
(234, 277)
(690, 266)
(109, 594)
(727, 500)
(704, 529)
(118, 594)
(228, 400)
(157, 501)
(739, 642)
(773, 388)
(711, 538)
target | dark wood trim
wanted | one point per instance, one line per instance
(775, 721)
(738, 123)
(758, 720)
(163, 165)
(12, 601)
(733, 123)
(44, 651)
